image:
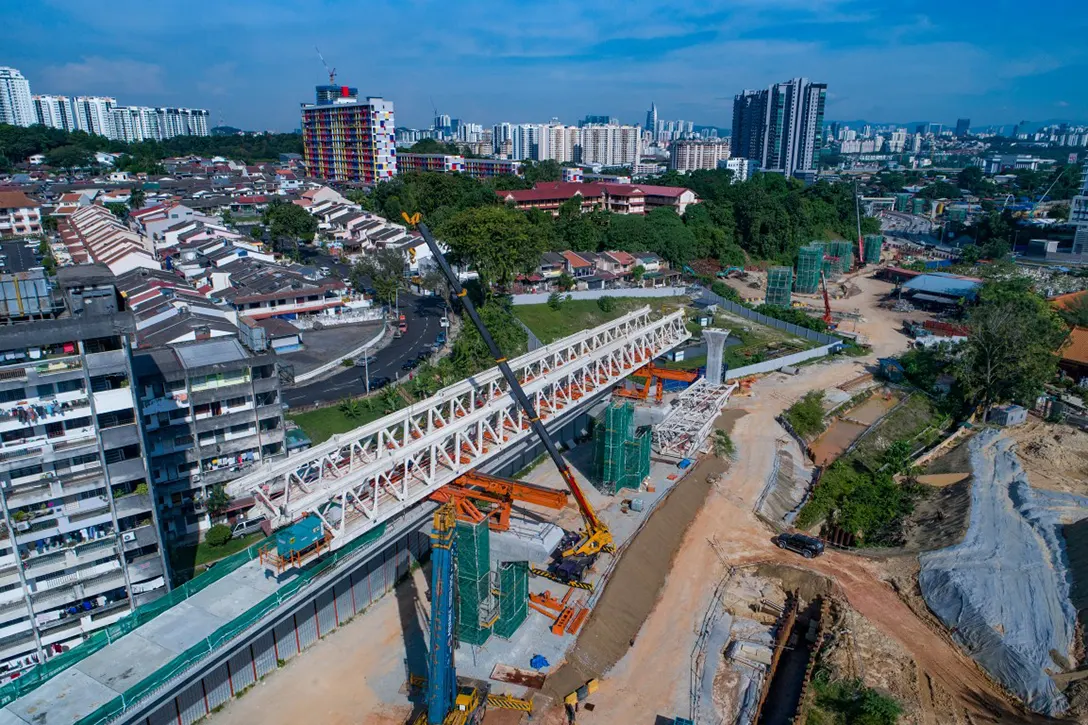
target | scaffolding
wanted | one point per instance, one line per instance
(845, 252)
(832, 267)
(874, 245)
(810, 260)
(477, 603)
(779, 284)
(622, 454)
(513, 598)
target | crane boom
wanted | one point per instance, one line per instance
(827, 300)
(596, 537)
(330, 71)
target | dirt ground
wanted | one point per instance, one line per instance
(1055, 456)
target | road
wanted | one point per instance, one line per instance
(424, 317)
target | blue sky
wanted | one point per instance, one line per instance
(251, 62)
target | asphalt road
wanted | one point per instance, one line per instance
(424, 318)
(423, 315)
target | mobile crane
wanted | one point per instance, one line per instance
(577, 552)
(827, 302)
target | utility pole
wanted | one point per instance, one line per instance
(366, 368)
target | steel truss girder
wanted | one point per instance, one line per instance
(359, 479)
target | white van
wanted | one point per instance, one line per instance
(247, 527)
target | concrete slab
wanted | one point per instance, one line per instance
(9, 718)
(255, 575)
(180, 627)
(73, 695)
(527, 540)
(227, 598)
(128, 661)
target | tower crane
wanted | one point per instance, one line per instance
(857, 213)
(330, 71)
(578, 552)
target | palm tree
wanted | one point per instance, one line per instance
(136, 198)
(351, 408)
(723, 445)
(390, 399)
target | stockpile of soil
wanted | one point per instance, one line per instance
(1054, 456)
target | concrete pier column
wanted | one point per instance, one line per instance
(715, 347)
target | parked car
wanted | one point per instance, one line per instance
(378, 383)
(325, 272)
(441, 339)
(410, 364)
(368, 360)
(806, 546)
(247, 526)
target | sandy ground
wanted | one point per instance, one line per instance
(1055, 456)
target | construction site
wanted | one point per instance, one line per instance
(593, 533)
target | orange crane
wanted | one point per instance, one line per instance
(827, 301)
(496, 495)
(652, 372)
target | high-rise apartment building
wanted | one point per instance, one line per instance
(93, 114)
(610, 145)
(349, 139)
(55, 112)
(692, 155)
(1078, 214)
(781, 127)
(749, 109)
(560, 143)
(963, 127)
(16, 105)
(79, 542)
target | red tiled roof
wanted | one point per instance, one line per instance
(1075, 348)
(252, 199)
(653, 190)
(575, 260)
(552, 191)
(16, 200)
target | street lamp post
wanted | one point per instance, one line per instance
(366, 368)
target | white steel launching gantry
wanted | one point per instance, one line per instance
(357, 480)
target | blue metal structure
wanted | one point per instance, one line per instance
(441, 675)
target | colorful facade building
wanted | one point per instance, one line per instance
(346, 139)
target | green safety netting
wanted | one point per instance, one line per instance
(513, 598)
(622, 455)
(228, 631)
(474, 596)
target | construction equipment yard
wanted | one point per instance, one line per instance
(698, 614)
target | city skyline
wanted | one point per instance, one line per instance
(878, 65)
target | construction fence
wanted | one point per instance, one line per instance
(352, 594)
(749, 314)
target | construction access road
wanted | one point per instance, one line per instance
(652, 679)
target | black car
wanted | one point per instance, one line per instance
(806, 546)
(410, 365)
(379, 383)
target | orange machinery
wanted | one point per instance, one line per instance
(651, 372)
(496, 495)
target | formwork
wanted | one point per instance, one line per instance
(513, 598)
(779, 285)
(477, 605)
(810, 260)
(832, 266)
(621, 458)
(874, 245)
(845, 252)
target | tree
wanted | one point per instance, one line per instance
(136, 198)
(555, 301)
(351, 408)
(118, 209)
(638, 273)
(970, 178)
(723, 290)
(69, 157)
(218, 499)
(288, 224)
(1010, 352)
(227, 217)
(806, 416)
(723, 445)
(565, 282)
(606, 304)
(547, 170)
(1075, 314)
(495, 240)
(217, 535)
(386, 272)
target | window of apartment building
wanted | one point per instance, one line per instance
(26, 471)
(179, 413)
(114, 381)
(9, 396)
(116, 455)
(54, 430)
(11, 436)
(241, 428)
(77, 423)
(44, 390)
(185, 440)
(116, 418)
(270, 423)
(237, 402)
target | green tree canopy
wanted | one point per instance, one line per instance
(69, 157)
(496, 241)
(288, 224)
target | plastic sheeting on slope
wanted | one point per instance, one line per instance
(1004, 590)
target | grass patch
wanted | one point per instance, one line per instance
(186, 559)
(691, 363)
(323, 423)
(576, 315)
(806, 416)
(850, 702)
(916, 421)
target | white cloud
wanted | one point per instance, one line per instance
(104, 75)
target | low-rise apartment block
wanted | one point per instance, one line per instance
(616, 198)
(79, 543)
(20, 216)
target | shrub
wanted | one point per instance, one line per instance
(723, 290)
(555, 301)
(142, 489)
(806, 416)
(217, 535)
(606, 304)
